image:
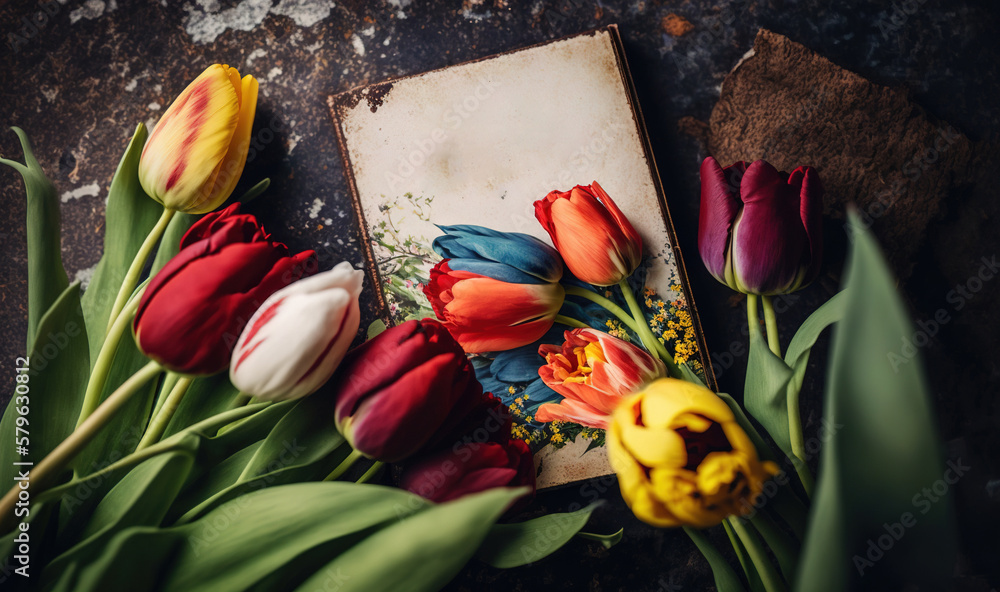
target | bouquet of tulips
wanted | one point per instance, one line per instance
(686, 456)
(141, 463)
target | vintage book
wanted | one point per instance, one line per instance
(478, 143)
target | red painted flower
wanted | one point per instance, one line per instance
(402, 388)
(593, 371)
(596, 240)
(486, 314)
(194, 309)
(760, 230)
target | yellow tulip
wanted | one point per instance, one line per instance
(196, 154)
(681, 458)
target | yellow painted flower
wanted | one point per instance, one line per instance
(681, 458)
(196, 154)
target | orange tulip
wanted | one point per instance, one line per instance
(595, 239)
(593, 371)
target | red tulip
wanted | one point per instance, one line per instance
(486, 314)
(470, 468)
(194, 309)
(760, 230)
(402, 388)
(595, 239)
(593, 371)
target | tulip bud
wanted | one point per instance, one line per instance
(401, 387)
(681, 458)
(470, 468)
(593, 371)
(595, 239)
(192, 312)
(487, 314)
(760, 230)
(297, 338)
(195, 155)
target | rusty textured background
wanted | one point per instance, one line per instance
(81, 80)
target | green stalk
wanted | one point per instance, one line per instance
(102, 366)
(758, 554)
(652, 344)
(343, 466)
(136, 458)
(375, 468)
(65, 452)
(169, 380)
(603, 302)
(138, 263)
(240, 400)
(771, 321)
(159, 424)
(571, 322)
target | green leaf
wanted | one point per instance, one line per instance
(280, 535)
(128, 217)
(425, 549)
(255, 191)
(60, 366)
(513, 545)
(140, 499)
(607, 540)
(749, 569)
(764, 392)
(824, 316)
(726, 579)
(883, 453)
(377, 326)
(206, 397)
(46, 276)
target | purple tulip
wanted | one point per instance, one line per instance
(760, 230)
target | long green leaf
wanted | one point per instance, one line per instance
(521, 543)
(764, 391)
(59, 369)
(46, 276)
(128, 217)
(829, 313)
(282, 534)
(726, 579)
(873, 526)
(426, 549)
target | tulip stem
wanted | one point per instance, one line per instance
(604, 303)
(771, 322)
(652, 344)
(241, 400)
(66, 451)
(758, 554)
(102, 366)
(159, 423)
(375, 468)
(138, 263)
(571, 322)
(344, 465)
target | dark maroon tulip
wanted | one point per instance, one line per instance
(760, 230)
(470, 468)
(402, 389)
(194, 309)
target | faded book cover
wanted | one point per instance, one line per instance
(478, 143)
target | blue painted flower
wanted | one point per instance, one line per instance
(506, 256)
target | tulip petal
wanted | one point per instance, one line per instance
(811, 212)
(192, 138)
(769, 240)
(520, 251)
(720, 204)
(574, 411)
(230, 170)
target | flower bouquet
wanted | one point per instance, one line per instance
(141, 463)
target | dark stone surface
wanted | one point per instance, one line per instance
(80, 82)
